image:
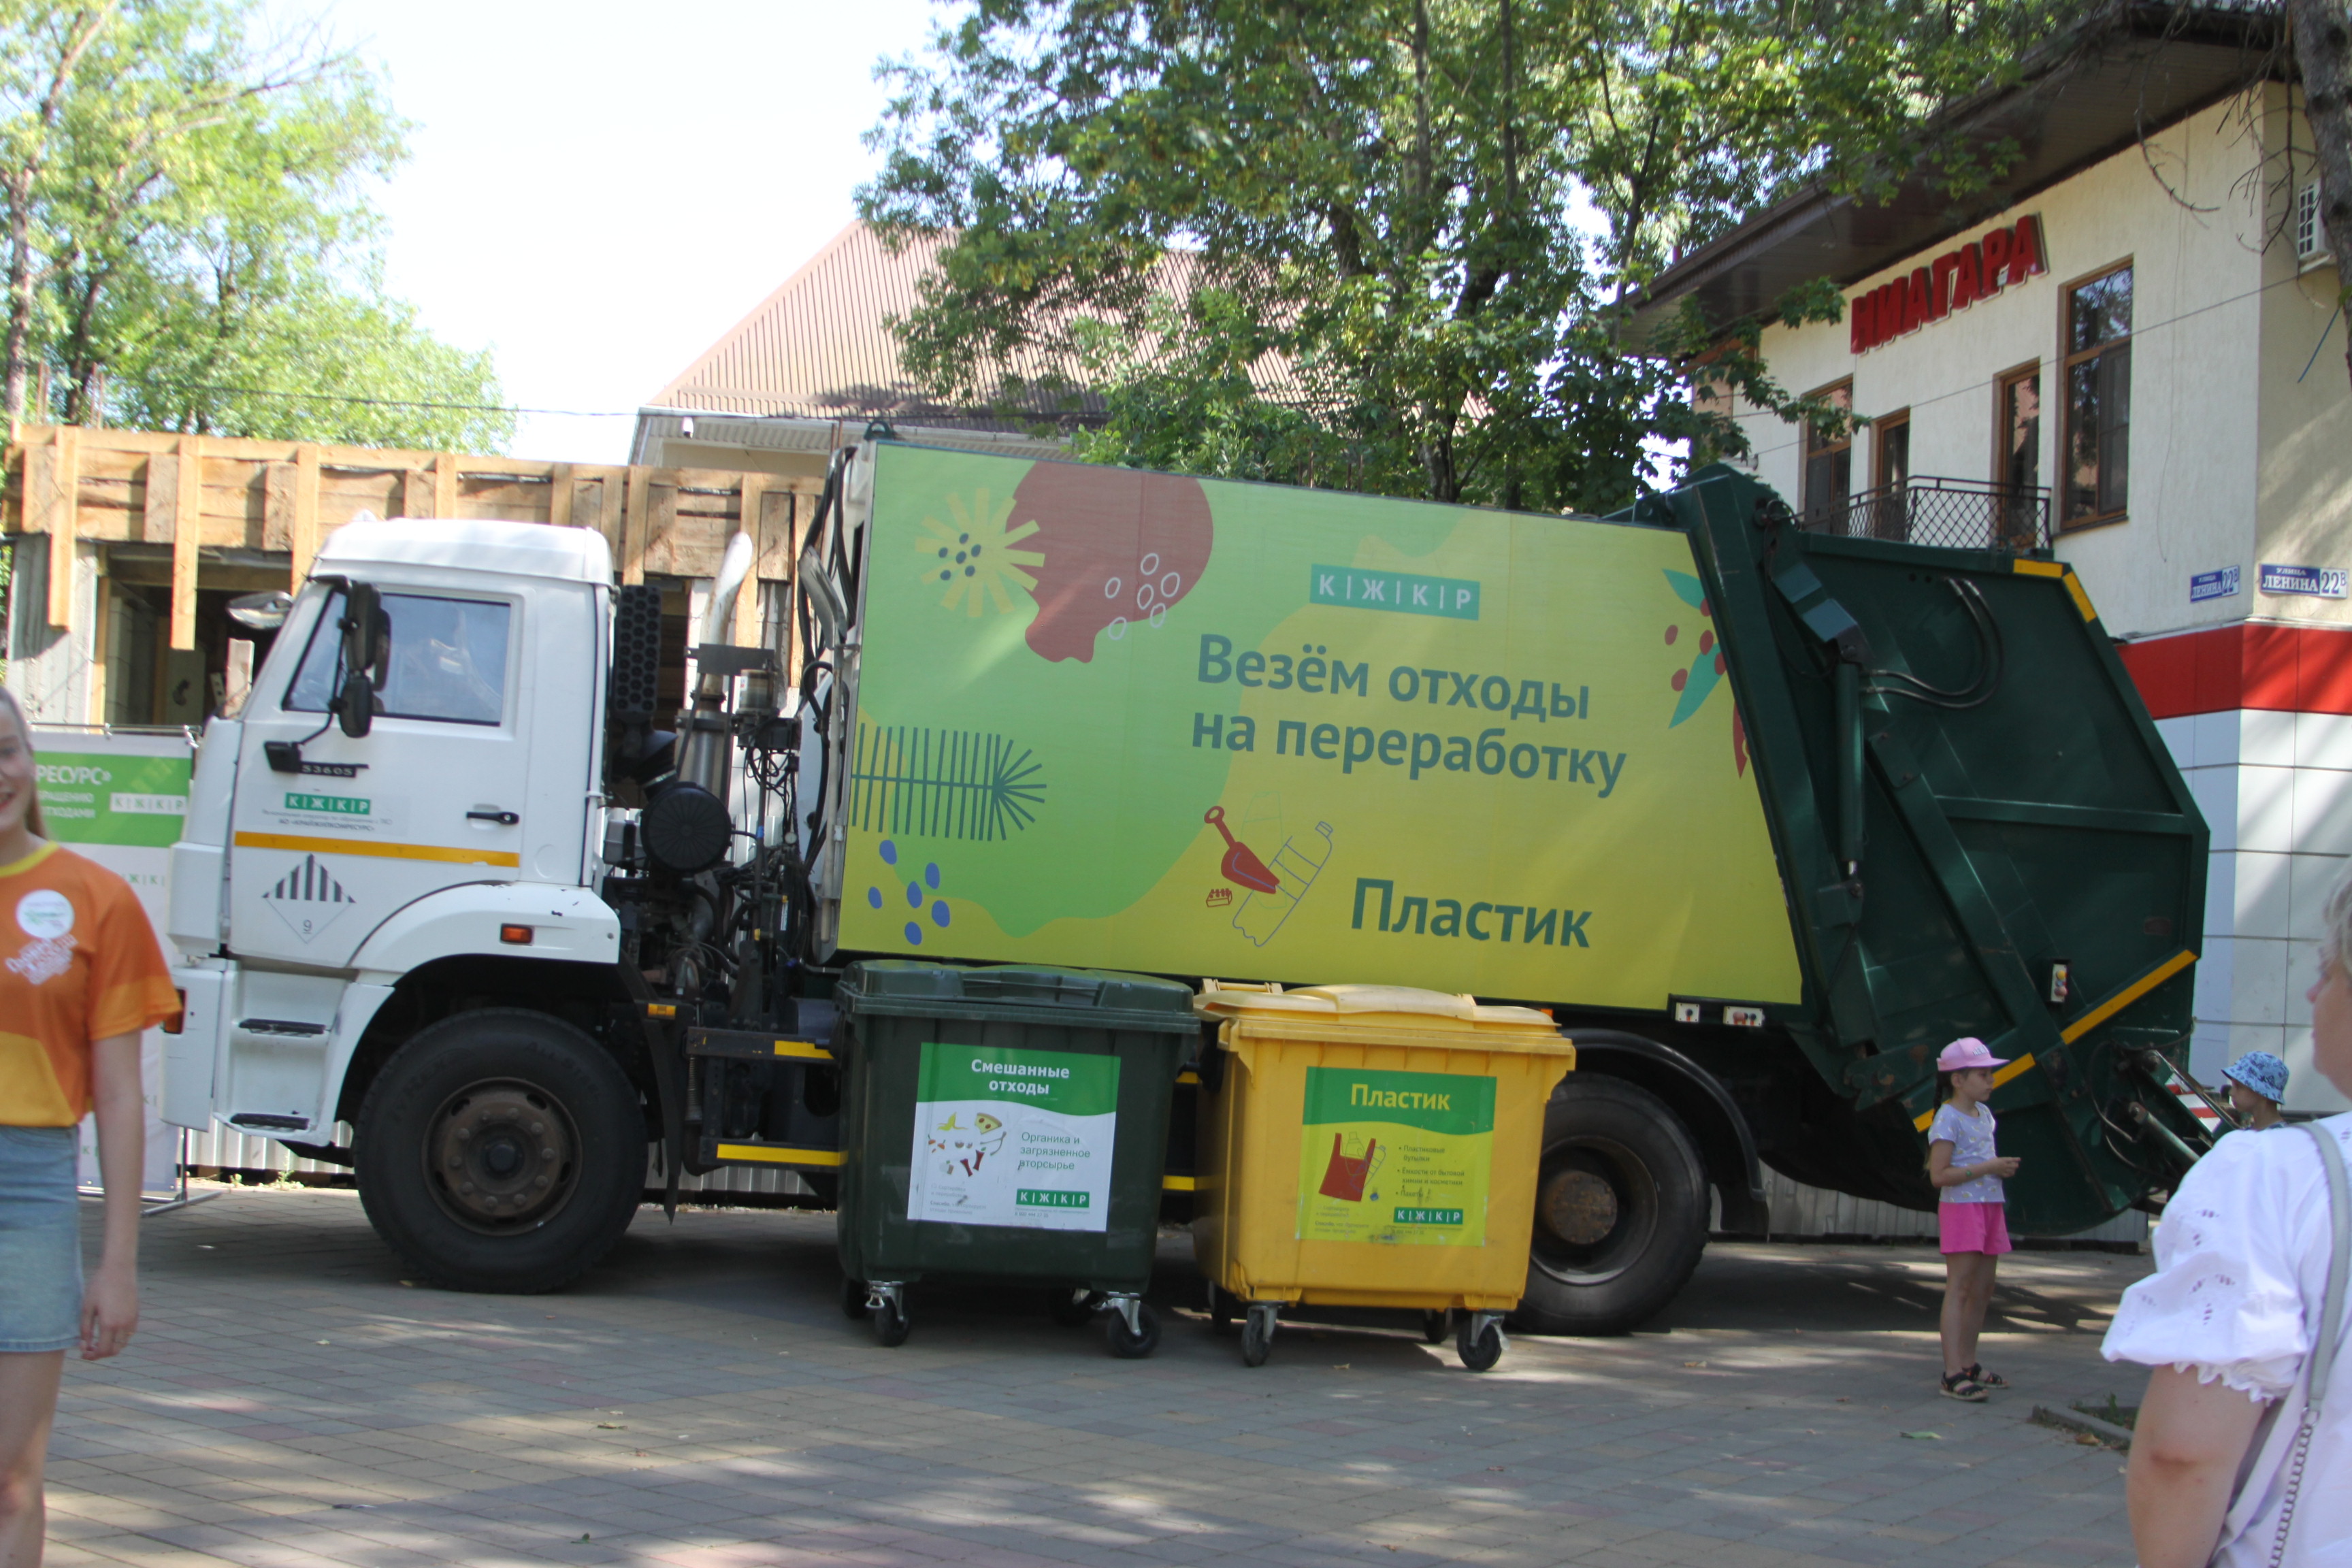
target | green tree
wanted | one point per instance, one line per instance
(1391, 244)
(189, 243)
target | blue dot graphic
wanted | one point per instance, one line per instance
(889, 852)
(940, 912)
(874, 897)
(914, 934)
(915, 895)
(931, 875)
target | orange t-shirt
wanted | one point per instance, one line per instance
(78, 963)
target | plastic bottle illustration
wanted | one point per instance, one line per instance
(1295, 866)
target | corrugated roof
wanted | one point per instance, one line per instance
(817, 347)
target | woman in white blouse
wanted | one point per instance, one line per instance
(2227, 1322)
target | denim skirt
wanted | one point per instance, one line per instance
(40, 1241)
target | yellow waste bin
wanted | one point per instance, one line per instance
(1370, 1146)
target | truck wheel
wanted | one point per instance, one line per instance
(501, 1149)
(1620, 1210)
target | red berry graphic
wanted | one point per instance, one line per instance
(1682, 678)
(1706, 642)
(1718, 664)
(1672, 633)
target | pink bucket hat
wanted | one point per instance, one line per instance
(1964, 1054)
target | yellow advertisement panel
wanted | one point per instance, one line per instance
(1398, 1157)
(1139, 721)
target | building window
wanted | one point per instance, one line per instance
(1891, 436)
(1829, 462)
(2095, 452)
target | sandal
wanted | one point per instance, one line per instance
(1961, 1385)
(1984, 1379)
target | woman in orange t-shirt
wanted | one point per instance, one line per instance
(80, 977)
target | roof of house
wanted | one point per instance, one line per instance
(818, 347)
(2130, 70)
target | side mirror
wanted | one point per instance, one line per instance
(367, 647)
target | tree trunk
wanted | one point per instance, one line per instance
(2323, 57)
(18, 353)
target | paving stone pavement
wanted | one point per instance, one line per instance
(698, 1402)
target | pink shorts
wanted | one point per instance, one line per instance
(1974, 1228)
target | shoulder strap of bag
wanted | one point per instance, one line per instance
(2326, 1330)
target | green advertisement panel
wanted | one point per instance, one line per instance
(1398, 1157)
(108, 798)
(1139, 721)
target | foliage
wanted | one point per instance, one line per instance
(1391, 244)
(190, 241)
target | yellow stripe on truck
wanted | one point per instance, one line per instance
(377, 848)
(2090, 1020)
(769, 1156)
(2058, 569)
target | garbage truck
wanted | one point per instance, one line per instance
(1763, 817)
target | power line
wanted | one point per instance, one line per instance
(416, 403)
(1975, 388)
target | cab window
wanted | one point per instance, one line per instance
(448, 660)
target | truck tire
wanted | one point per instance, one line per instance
(1620, 1210)
(501, 1149)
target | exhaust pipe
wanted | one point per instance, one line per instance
(703, 752)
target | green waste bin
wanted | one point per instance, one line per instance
(1006, 1124)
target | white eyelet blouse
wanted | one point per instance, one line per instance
(2241, 1267)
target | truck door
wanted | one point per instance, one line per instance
(431, 797)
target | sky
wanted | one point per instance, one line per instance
(598, 191)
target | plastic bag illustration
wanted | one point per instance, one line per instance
(1345, 1176)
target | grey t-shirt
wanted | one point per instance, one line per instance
(1971, 1141)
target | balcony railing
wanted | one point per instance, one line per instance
(1956, 514)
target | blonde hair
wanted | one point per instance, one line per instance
(25, 728)
(2336, 919)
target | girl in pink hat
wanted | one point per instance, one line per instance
(1971, 1216)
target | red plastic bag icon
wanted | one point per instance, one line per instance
(1344, 1178)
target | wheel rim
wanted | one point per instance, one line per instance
(501, 1156)
(1596, 1210)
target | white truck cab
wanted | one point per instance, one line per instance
(389, 901)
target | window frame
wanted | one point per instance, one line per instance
(1807, 451)
(324, 625)
(2067, 358)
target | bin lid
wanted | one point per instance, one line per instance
(1360, 1010)
(1082, 998)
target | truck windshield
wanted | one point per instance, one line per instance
(448, 660)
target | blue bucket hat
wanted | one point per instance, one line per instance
(2260, 1071)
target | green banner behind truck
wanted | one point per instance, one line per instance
(1147, 722)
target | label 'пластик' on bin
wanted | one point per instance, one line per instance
(1012, 1137)
(1401, 1157)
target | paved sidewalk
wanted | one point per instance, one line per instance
(700, 1403)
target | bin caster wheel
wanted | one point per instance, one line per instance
(1070, 1309)
(887, 1315)
(1132, 1344)
(1224, 1308)
(1435, 1326)
(1479, 1342)
(1257, 1333)
(853, 1299)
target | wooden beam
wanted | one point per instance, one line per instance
(633, 524)
(303, 532)
(559, 495)
(64, 510)
(416, 493)
(187, 538)
(445, 485)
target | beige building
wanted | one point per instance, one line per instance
(2128, 351)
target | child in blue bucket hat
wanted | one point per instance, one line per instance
(2257, 1084)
